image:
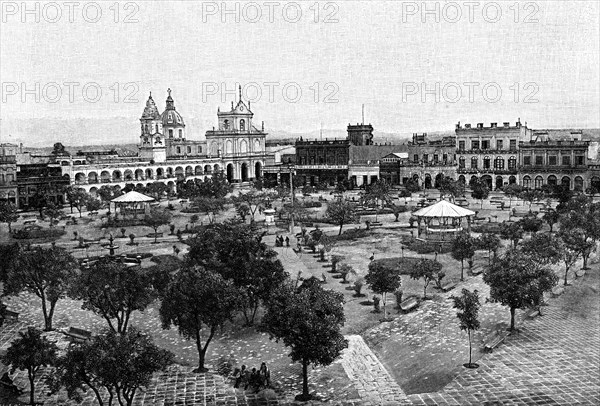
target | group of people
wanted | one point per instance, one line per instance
(279, 241)
(256, 380)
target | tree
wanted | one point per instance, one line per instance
(198, 298)
(412, 186)
(113, 291)
(382, 280)
(346, 270)
(253, 200)
(157, 218)
(59, 149)
(116, 364)
(489, 242)
(573, 245)
(45, 272)
(512, 232)
(468, 311)
(307, 319)
(531, 196)
(30, 351)
(531, 224)
(77, 197)
(208, 206)
(157, 189)
(377, 192)
(237, 253)
(517, 281)
(53, 212)
(8, 214)
(583, 215)
(463, 247)
(543, 248)
(426, 269)
(450, 187)
(512, 190)
(551, 217)
(341, 212)
(107, 193)
(404, 194)
(480, 191)
(92, 203)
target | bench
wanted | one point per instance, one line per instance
(493, 340)
(448, 286)
(557, 291)
(409, 304)
(77, 334)
(29, 221)
(153, 235)
(533, 313)
(10, 315)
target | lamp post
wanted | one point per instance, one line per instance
(292, 199)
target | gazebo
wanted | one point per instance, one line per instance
(442, 220)
(132, 203)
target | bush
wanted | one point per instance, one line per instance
(49, 233)
(486, 228)
(351, 234)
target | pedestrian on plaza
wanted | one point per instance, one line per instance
(372, 257)
(287, 241)
(253, 380)
(240, 376)
(277, 240)
(265, 375)
(281, 241)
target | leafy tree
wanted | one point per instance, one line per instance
(253, 200)
(157, 218)
(463, 247)
(376, 193)
(551, 217)
(346, 270)
(59, 149)
(573, 245)
(489, 242)
(480, 191)
(405, 194)
(426, 269)
(450, 187)
(113, 291)
(77, 197)
(512, 232)
(341, 212)
(307, 319)
(583, 215)
(412, 186)
(531, 224)
(107, 193)
(531, 196)
(516, 280)
(382, 280)
(8, 214)
(512, 190)
(237, 253)
(53, 212)
(335, 259)
(198, 298)
(157, 189)
(45, 272)
(93, 204)
(208, 206)
(468, 306)
(30, 351)
(117, 365)
(543, 248)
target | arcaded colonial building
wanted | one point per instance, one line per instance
(429, 160)
(166, 154)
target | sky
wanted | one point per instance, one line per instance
(415, 66)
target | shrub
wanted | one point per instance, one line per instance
(49, 233)
(358, 285)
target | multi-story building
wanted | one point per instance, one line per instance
(553, 158)
(490, 153)
(322, 161)
(430, 160)
(8, 173)
(40, 181)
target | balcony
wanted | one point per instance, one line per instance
(487, 151)
(322, 166)
(553, 168)
(488, 171)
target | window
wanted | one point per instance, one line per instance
(499, 144)
(425, 157)
(180, 133)
(461, 162)
(552, 160)
(435, 158)
(539, 181)
(474, 144)
(513, 144)
(499, 163)
(474, 162)
(461, 145)
(199, 149)
(539, 160)
(157, 128)
(170, 133)
(485, 144)
(527, 160)
(416, 158)
(242, 125)
(179, 150)
(445, 158)
(486, 162)
(226, 124)
(527, 181)
(566, 160)
(189, 150)
(579, 160)
(512, 163)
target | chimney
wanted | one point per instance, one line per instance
(506, 124)
(467, 125)
(479, 126)
(494, 125)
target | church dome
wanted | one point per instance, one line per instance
(150, 111)
(170, 117)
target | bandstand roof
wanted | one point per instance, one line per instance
(132, 197)
(443, 208)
